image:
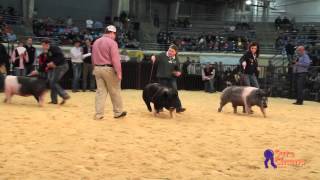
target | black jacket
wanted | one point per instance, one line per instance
(31, 53)
(252, 64)
(4, 57)
(56, 56)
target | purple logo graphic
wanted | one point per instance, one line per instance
(269, 155)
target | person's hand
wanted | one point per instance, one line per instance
(244, 64)
(177, 73)
(153, 58)
(34, 73)
(51, 65)
(119, 77)
(258, 69)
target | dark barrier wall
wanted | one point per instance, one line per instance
(136, 75)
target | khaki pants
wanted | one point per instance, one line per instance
(107, 82)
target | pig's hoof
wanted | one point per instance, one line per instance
(219, 110)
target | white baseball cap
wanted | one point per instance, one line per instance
(111, 28)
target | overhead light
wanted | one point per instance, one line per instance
(248, 2)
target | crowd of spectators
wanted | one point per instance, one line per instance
(8, 14)
(205, 41)
(307, 36)
(284, 23)
(180, 23)
(287, 41)
(6, 31)
(10, 11)
(66, 31)
(232, 38)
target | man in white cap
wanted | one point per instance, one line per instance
(108, 73)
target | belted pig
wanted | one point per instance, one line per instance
(23, 86)
(244, 96)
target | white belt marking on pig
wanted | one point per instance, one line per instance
(245, 93)
(12, 85)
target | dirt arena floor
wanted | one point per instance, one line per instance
(64, 142)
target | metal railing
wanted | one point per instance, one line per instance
(12, 19)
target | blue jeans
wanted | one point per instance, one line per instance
(250, 80)
(171, 83)
(54, 76)
(208, 86)
(20, 72)
(77, 70)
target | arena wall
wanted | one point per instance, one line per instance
(79, 9)
(303, 11)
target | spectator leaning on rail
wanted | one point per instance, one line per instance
(32, 55)
(208, 73)
(300, 71)
(249, 66)
(76, 59)
(87, 67)
(19, 59)
(168, 70)
(108, 73)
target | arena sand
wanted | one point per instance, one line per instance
(64, 142)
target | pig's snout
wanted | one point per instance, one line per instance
(264, 104)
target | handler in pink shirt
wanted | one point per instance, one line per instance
(108, 73)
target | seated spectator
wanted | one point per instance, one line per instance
(107, 20)
(124, 56)
(11, 11)
(133, 44)
(208, 73)
(89, 24)
(277, 23)
(98, 25)
(10, 36)
(75, 29)
(69, 21)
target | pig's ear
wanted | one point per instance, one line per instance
(165, 93)
(268, 92)
(261, 93)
